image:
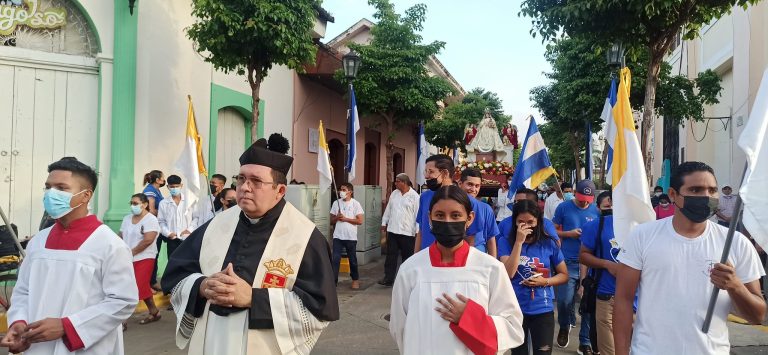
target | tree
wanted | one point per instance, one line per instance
(579, 88)
(393, 83)
(249, 37)
(449, 130)
(643, 25)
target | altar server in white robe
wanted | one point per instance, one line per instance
(76, 286)
(450, 298)
(257, 278)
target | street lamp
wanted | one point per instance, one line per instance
(351, 63)
(615, 55)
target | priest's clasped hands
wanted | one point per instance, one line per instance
(226, 289)
(20, 336)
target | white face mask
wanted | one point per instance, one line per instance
(343, 194)
(657, 194)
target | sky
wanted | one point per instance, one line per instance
(487, 45)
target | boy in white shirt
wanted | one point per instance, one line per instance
(346, 214)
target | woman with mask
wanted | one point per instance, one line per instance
(534, 263)
(227, 199)
(600, 251)
(450, 298)
(139, 231)
(664, 209)
(154, 180)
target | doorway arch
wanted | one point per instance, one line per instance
(336, 152)
(371, 175)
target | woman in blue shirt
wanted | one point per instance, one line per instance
(531, 257)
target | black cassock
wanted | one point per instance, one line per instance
(314, 283)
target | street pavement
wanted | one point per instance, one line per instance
(363, 328)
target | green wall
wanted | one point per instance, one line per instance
(222, 97)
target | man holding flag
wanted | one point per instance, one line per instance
(673, 262)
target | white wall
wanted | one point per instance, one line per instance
(168, 69)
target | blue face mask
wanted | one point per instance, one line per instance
(136, 209)
(57, 202)
(175, 191)
(568, 196)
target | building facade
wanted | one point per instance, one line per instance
(108, 83)
(736, 47)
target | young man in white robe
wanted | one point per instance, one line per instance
(257, 278)
(450, 298)
(76, 285)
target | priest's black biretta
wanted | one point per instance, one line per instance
(269, 153)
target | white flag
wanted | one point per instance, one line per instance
(754, 188)
(422, 162)
(323, 164)
(190, 163)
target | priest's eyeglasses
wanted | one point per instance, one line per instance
(254, 182)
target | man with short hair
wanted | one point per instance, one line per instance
(673, 262)
(438, 171)
(657, 192)
(556, 198)
(177, 217)
(569, 217)
(726, 205)
(217, 184)
(76, 286)
(484, 235)
(346, 216)
(257, 278)
(399, 224)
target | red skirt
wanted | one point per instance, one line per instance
(143, 271)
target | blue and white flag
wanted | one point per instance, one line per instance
(353, 125)
(534, 166)
(421, 156)
(610, 128)
(588, 165)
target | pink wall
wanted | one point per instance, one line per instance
(314, 102)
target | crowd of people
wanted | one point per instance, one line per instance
(248, 273)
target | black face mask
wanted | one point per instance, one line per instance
(608, 212)
(213, 189)
(162, 184)
(231, 203)
(698, 208)
(433, 185)
(449, 234)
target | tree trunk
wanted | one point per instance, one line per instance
(254, 80)
(573, 141)
(652, 81)
(390, 154)
(604, 164)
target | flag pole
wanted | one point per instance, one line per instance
(10, 229)
(735, 220)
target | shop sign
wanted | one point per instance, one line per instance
(29, 14)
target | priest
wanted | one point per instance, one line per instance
(76, 286)
(257, 279)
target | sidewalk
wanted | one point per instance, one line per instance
(363, 328)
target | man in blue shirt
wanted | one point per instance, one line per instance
(484, 229)
(602, 258)
(569, 217)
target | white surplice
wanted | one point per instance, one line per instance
(93, 286)
(418, 328)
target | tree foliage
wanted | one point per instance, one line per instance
(649, 26)
(449, 130)
(394, 83)
(249, 37)
(579, 86)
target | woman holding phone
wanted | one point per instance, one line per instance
(534, 263)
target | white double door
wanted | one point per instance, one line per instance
(46, 113)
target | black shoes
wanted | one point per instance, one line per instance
(385, 282)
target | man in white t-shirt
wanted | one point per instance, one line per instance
(346, 214)
(673, 264)
(556, 198)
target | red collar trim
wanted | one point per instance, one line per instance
(73, 237)
(459, 256)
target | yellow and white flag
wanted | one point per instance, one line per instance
(323, 164)
(631, 198)
(190, 164)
